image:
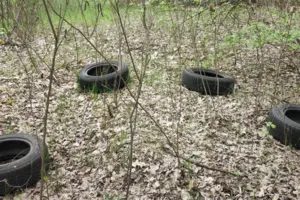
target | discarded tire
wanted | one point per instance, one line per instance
(207, 81)
(286, 118)
(20, 161)
(103, 76)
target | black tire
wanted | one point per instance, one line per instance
(207, 81)
(25, 171)
(103, 76)
(286, 117)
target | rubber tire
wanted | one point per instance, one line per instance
(111, 81)
(286, 131)
(207, 84)
(25, 171)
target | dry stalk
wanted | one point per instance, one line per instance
(56, 34)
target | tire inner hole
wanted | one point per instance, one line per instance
(102, 70)
(293, 115)
(13, 150)
(210, 74)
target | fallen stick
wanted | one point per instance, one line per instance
(198, 164)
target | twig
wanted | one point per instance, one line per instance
(56, 35)
(134, 113)
(198, 164)
(128, 89)
(116, 8)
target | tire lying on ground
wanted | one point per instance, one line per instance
(20, 161)
(286, 118)
(103, 76)
(207, 81)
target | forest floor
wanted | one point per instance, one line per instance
(89, 147)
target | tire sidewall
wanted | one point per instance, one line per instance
(286, 130)
(283, 108)
(26, 170)
(207, 85)
(226, 78)
(83, 75)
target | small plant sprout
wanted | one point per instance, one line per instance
(271, 125)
